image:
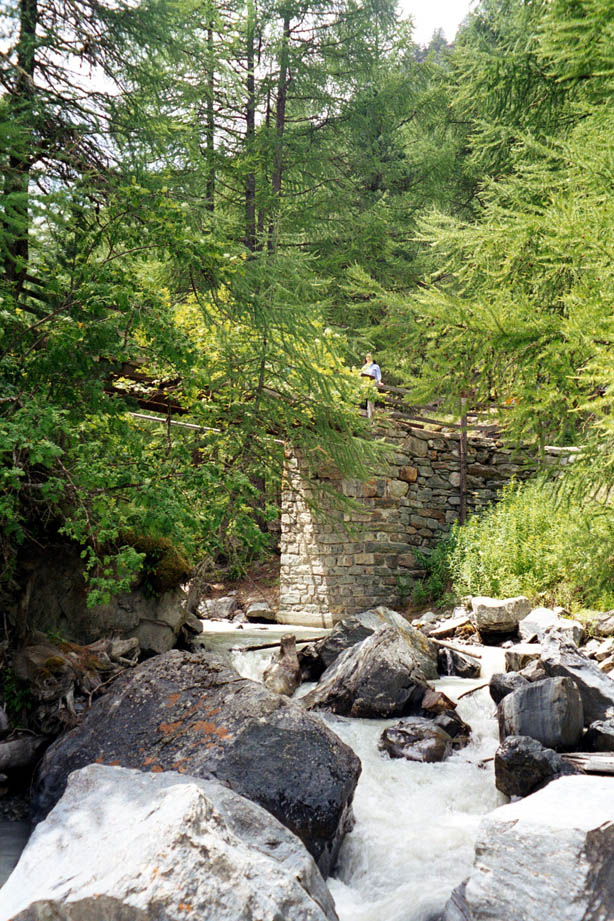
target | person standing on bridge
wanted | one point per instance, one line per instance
(371, 369)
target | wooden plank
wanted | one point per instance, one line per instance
(450, 626)
(591, 762)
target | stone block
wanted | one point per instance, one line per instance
(409, 474)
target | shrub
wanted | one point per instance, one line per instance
(540, 539)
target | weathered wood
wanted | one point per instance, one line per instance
(464, 652)
(462, 459)
(19, 753)
(472, 691)
(591, 762)
(449, 628)
(256, 646)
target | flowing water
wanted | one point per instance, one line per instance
(415, 823)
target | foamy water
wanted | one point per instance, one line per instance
(415, 823)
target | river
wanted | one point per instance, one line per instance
(415, 823)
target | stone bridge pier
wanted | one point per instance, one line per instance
(338, 562)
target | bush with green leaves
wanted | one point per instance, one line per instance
(540, 540)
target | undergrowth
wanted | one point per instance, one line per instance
(539, 540)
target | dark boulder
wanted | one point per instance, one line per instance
(379, 677)
(501, 685)
(457, 729)
(451, 662)
(195, 715)
(317, 657)
(522, 765)
(283, 673)
(564, 659)
(549, 711)
(599, 736)
(416, 739)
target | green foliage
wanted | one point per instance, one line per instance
(540, 541)
(436, 584)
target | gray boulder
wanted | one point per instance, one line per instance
(189, 849)
(416, 739)
(219, 608)
(599, 737)
(259, 611)
(379, 677)
(523, 764)
(543, 620)
(452, 662)
(596, 688)
(496, 618)
(547, 856)
(549, 711)
(520, 655)
(283, 673)
(500, 685)
(604, 624)
(534, 671)
(189, 713)
(317, 657)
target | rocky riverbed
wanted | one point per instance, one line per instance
(373, 775)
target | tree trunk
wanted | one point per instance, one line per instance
(250, 121)
(280, 124)
(210, 129)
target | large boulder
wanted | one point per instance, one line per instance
(548, 856)
(523, 764)
(596, 688)
(189, 713)
(123, 844)
(495, 618)
(549, 711)
(541, 621)
(379, 677)
(318, 656)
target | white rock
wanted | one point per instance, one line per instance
(494, 615)
(125, 844)
(546, 857)
(542, 620)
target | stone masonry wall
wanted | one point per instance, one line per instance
(336, 562)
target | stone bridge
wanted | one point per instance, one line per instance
(340, 561)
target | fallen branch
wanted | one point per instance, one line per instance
(276, 645)
(472, 690)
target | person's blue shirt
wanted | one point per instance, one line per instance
(372, 369)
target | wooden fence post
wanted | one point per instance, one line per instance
(462, 456)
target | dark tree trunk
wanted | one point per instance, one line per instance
(280, 124)
(250, 121)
